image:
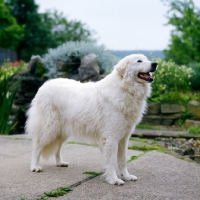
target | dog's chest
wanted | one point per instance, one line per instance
(134, 111)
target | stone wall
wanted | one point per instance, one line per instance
(167, 114)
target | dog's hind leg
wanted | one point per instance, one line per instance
(122, 163)
(36, 152)
(110, 154)
(59, 160)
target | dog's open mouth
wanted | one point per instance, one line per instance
(146, 76)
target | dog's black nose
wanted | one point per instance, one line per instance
(153, 66)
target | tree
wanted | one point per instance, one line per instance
(184, 47)
(10, 30)
(64, 30)
(43, 31)
(36, 35)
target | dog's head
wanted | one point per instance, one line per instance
(137, 68)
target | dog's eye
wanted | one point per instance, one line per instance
(139, 61)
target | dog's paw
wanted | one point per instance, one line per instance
(115, 182)
(129, 178)
(36, 168)
(62, 164)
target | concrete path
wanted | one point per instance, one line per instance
(160, 176)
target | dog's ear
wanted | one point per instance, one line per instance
(121, 67)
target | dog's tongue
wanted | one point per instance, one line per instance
(148, 76)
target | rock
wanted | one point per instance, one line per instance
(171, 108)
(61, 66)
(172, 116)
(32, 65)
(89, 69)
(177, 150)
(169, 119)
(154, 108)
(194, 108)
(152, 119)
(189, 123)
(195, 158)
(189, 151)
(102, 76)
(167, 122)
(28, 88)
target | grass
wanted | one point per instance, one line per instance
(154, 146)
(147, 126)
(145, 148)
(194, 130)
(55, 193)
(134, 158)
(92, 173)
(138, 139)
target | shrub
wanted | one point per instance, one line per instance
(68, 50)
(171, 82)
(8, 91)
(195, 79)
(194, 129)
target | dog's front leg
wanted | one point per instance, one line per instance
(122, 162)
(110, 155)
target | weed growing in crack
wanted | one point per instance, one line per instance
(134, 158)
(92, 173)
(55, 193)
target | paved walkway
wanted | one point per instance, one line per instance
(160, 176)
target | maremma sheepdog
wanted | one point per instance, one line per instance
(105, 112)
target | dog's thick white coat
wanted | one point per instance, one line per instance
(106, 111)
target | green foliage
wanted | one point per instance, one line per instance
(56, 193)
(133, 158)
(181, 120)
(36, 34)
(43, 31)
(8, 90)
(40, 70)
(194, 129)
(92, 173)
(147, 148)
(6, 99)
(10, 30)
(138, 139)
(64, 30)
(171, 82)
(171, 76)
(185, 41)
(69, 50)
(146, 126)
(195, 79)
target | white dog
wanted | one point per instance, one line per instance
(106, 111)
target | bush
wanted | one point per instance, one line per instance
(195, 79)
(194, 129)
(8, 91)
(68, 50)
(171, 82)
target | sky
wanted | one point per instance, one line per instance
(119, 24)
